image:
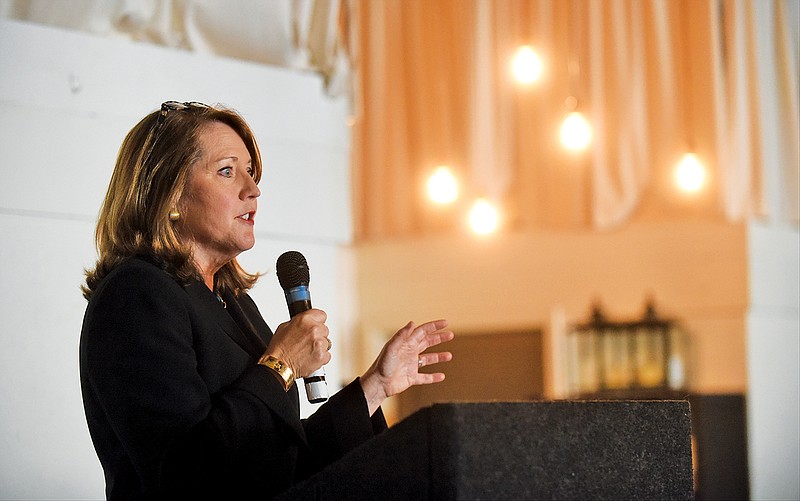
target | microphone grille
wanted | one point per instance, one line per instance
(292, 270)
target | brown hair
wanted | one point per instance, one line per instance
(149, 177)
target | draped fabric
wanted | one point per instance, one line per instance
(617, 70)
(756, 88)
(301, 34)
(430, 85)
(655, 78)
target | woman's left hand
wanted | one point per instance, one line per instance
(398, 366)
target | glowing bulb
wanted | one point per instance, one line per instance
(442, 186)
(526, 65)
(690, 174)
(576, 133)
(483, 217)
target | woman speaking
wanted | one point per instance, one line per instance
(187, 392)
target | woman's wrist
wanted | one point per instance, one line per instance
(280, 368)
(373, 390)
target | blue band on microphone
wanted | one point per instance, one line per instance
(299, 293)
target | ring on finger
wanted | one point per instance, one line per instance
(329, 345)
(419, 362)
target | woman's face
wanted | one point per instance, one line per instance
(218, 206)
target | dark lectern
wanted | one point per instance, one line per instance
(520, 450)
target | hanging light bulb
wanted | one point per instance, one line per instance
(690, 173)
(442, 185)
(483, 217)
(526, 65)
(576, 132)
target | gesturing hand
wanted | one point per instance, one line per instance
(397, 366)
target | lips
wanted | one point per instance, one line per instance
(247, 216)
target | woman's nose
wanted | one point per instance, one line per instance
(251, 189)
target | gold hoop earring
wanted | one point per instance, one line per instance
(174, 214)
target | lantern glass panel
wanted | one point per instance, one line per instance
(650, 368)
(678, 360)
(588, 368)
(618, 370)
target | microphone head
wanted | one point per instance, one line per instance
(292, 270)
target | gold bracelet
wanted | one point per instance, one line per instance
(280, 368)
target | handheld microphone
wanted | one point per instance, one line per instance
(293, 275)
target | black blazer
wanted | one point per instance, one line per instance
(177, 406)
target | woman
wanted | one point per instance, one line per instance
(187, 391)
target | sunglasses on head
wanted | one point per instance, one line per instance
(166, 107)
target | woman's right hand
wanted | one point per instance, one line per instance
(302, 342)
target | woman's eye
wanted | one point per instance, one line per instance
(251, 171)
(226, 171)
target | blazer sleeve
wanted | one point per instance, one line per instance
(143, 391)
(341, 424)
(335, 427)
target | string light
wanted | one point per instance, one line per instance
(576, 132)
(483, 217)
(690, 173)
(526, 65)
(442, 186)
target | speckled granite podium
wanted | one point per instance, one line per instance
(520, 450)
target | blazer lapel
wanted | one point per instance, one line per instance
(243, 326)
(249, 322)
(207, 301)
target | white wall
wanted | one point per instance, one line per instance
(696, 272)
(773, 337)
(773, 322)
(66, 101)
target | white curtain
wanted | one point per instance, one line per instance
(618, 178)
(748, 49)
(756, 88)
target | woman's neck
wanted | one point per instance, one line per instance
(208, 268)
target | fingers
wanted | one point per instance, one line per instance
(303, 342)
(435, 325)
(426, 359)
(316, 341)
(429, 327)
(439, 338)
(313, 314)
(322, 348)
(311, 324)
(425, 378)
(431, 333)
(425, 336)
